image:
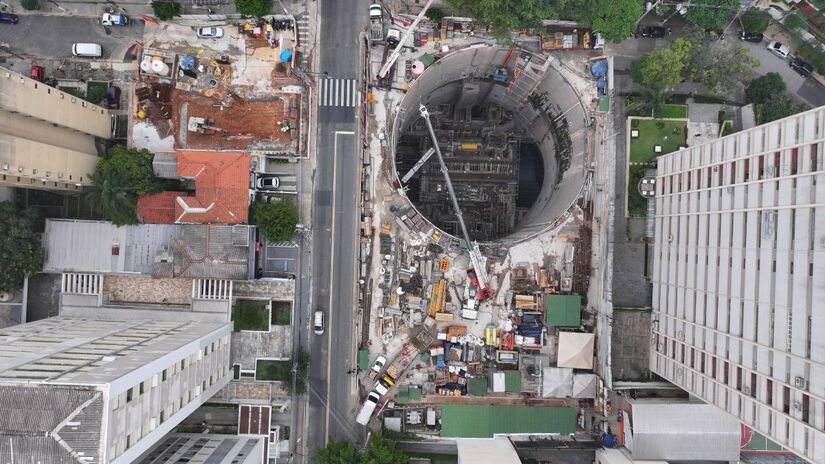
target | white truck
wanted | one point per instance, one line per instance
(368, 408)
(376, 23)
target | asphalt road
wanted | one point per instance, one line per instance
(332, 400)
(53, 36)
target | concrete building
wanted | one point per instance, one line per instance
(102, 391)
(49, 139)
(206, 448)
(739, 277)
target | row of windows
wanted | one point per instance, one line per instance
(61, 95)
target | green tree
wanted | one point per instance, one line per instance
(435, 14)
(383, 451)
(121, 177)
(614, 19)
(653, 99)
(166, 9)
(255, 8)
(337, 452)
(721, 68)
(663, 67)
(277, 220)
(30, 4)
(777, 107)
(755, 20)
(764, 87)
(712, 15)
(507, 15)
(21, 254)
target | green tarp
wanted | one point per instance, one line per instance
(469, 421)
(563, 310)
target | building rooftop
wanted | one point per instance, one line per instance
(202, 448)
(163, 250)
(471, 421)
(221, 191)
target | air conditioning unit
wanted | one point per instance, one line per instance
(797, 406)
(746, 390)
(799, 382)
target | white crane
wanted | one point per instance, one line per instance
(397, 52)
(476, 258)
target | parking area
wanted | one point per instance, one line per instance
(278, 259)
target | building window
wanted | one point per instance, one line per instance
(163, 376)
(162, 416)
(141, 387)
(129, 395)
(183, 364)
(128, 441)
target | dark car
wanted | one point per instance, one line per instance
(653, 32)
(38, 73)
(113, 97)
(9, 18)
(801, 67)
(755, 37)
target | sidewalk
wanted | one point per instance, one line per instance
(85, 8)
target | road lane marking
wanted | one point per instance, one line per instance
(331, 282)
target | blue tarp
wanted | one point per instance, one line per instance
(188, 62)
(608, 440)
(286, 55)
(598, 68)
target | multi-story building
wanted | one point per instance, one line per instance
(49, 139)
(103, 391)
(207, 448)
(739, 277)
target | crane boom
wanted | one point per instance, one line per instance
(397, 52)
(475, 254)
(417, 166)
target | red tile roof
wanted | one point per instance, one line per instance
(221, 190)
(157, 208)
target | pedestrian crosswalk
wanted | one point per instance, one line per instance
(338, 92)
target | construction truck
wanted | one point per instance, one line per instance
(376, 23)
(400, 364)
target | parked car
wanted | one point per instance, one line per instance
(318, 323)
(113, 97)
(87, 50)
(9, 18)
(653, 32)
(210, 33)
(754, 37)
(38, 73)
(381, 387)
(598, 41)
(370, 403)
(50, 81)
(268, 182)
(379, 363)
(779, 49)
(802, 67)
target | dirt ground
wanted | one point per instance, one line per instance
(247, 124)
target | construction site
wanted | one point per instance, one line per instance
(475, 257)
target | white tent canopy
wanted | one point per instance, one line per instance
(475, 451)
(556, 382)
(683, 432)
(576, 350)
(584, 385)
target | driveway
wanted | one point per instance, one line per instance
(53, 36)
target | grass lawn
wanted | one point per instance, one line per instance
(96, 91)
(675, 111)
(669, 134)
(73, 91)
(273, 370)
(636, 203)
(281, 311)
(250, 315)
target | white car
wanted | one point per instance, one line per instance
(381, 388)
(210, 33)
(268, 183)
(378, 365)
(318, 323)
(779, 49)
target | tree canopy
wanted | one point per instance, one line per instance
(166, 9)
(777, 107)
(614, 19)
(121, 177)
(379, 451)
(21, 254)
(719, 68)
(764, 87)
(663, 68)
(712, 15)
(277, 220)
(508, 15)
(255, 8)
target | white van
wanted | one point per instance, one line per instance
(87, 50)
(367, 409)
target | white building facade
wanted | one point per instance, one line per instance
(98, 391)
(739, 277)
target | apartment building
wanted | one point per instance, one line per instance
(739, 277)
(49, 139)
(103, 391)
(207, 448)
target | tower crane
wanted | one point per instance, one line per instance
(478, 274)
